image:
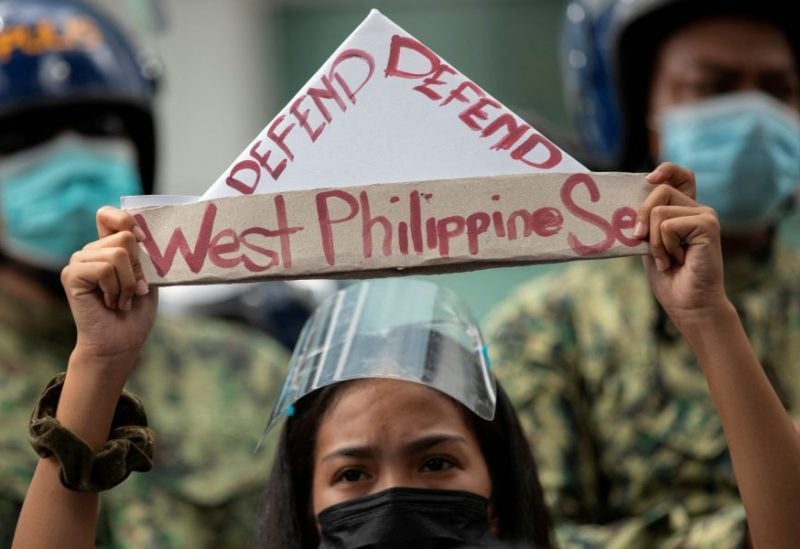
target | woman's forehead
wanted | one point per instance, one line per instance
(375, 395)
(380, 408)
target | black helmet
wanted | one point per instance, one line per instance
(65, 65)
(608, 48)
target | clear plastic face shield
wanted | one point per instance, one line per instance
(402, 329)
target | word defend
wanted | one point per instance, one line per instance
(331, 96)
(519, 138)
(384, 108)
(457, 224)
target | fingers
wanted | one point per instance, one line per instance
(664, 241)
(112, 220)
(676, 177)
(124, 240)
(663, 195)
(675, 228)
(85, 277)
(117, 228)
(111, 265)
(670, 216)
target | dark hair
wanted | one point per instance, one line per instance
(288, 520)
(640, 42)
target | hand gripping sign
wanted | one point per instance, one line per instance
(389, 160)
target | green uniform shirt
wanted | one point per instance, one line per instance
(207, 388)
(629, 445)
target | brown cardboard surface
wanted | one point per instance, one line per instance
(394, 228)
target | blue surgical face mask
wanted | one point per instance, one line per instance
(744, 149)
(49, 195)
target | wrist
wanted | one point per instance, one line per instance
(91, 391)
(94, 359)
(696, 321)
(703, 327)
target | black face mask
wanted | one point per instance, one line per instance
(408, 517)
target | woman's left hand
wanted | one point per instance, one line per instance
(685, 268)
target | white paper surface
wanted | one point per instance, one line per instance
(359, 120)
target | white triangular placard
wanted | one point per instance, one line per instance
(384, 108)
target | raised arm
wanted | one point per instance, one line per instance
(114, 312)
(685, 273)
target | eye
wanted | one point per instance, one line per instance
(713, 86)
(784, 92)
(351, 475)
(437, 464)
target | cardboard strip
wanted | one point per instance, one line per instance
(394, 228)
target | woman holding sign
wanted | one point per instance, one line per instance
(365, 461)
(392, 413)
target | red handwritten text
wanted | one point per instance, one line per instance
(224, 248)
(412, 60)
(362, 226)
(439, 234)
(309, 115)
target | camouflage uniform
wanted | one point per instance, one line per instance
(629, 445)
(207, 389)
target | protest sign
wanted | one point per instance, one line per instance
(389, 160)
(394, 228)
(384, 108)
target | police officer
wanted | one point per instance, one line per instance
(76, 132)
(630, 448)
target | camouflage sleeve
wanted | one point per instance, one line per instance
(208, 388)
(664, 526)
(135, 515)
(553, 347)
(9, 513)
(533, 350)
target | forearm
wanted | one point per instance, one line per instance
(764, 444)
(53, 515)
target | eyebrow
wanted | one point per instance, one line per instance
(419, 445)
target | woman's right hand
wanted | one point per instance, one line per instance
(114, 312)
(113, 307)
